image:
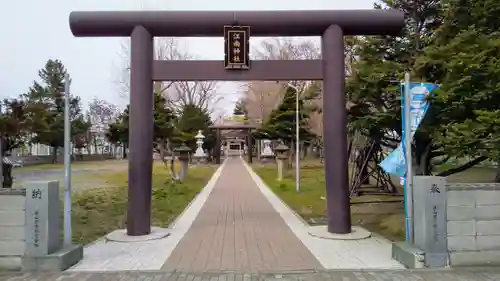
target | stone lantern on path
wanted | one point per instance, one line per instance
(281, 155)
(182, 154)
(200, 154)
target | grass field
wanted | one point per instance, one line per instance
(369, 211)
(99, 211)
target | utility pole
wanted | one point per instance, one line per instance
(297, 138)
(67, 166)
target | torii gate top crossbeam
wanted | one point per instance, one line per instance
(211, 23)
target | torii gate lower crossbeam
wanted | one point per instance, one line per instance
(330, 25)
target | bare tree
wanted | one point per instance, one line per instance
(289, 49)
(202, 94)
(101, 113)
(165, 48)
(260, 98)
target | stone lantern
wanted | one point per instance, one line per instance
(282, 151)
(182, 154)
(200, 154)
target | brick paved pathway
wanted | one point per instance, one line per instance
(488, 274)
(238, 229)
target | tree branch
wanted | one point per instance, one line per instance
(462, 168)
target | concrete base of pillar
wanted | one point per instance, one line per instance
(409, 256)
(57, 261)
(321, 231)
(120, 235)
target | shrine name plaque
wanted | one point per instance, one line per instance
(236, 47)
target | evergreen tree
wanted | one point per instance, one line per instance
(374, 89)
(239, 108)
(191, 120)
(14, 128)
(164, 119)
(281, 122)
(45, 108)
(464, 60)
(164, 123)
(118, 130)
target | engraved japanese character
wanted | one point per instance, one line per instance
(236, 50)
(236, 36)
(236, 44)
(36, 194)
(435, 189)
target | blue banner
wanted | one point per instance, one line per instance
(395, 162)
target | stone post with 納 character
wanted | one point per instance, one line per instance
(42, 218)
(44, 250)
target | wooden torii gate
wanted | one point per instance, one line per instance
(142, 26)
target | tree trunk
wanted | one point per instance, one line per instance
(463, 167)
(259, 148)
(360, 161)
(497, 176)
(7, 175)
(125, 146)
(88, 144)
(94, 141)
(173, 174)
(54, 155)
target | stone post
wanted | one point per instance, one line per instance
(42, 218)
(430, 219)
(182, 154)
(281, 152)
(44, 250)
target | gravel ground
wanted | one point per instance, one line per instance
(83, 176)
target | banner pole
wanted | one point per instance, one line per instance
(408, 187)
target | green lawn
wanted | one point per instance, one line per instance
(385, 218)
(99, 211)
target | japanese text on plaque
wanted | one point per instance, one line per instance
(236, 49)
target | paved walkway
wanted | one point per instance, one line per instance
(238, 229)
(488, 274)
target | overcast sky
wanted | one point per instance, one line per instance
(33, 31)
